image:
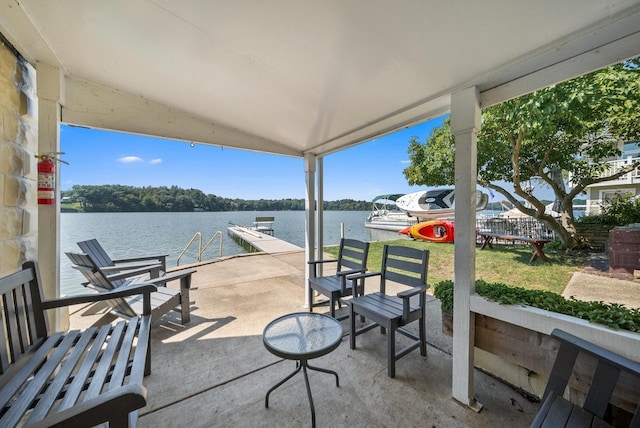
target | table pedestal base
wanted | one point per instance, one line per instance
(303, 365)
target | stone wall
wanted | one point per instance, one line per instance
(18, 144)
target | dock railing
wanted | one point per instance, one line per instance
(197, 237)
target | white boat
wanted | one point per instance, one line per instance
(516, 213)
(435, 203)
(385, 214)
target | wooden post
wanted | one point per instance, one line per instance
(50, 81)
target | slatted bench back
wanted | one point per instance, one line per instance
(23, 326)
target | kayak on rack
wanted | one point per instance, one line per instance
(434, 231)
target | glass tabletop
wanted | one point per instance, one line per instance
(302, 335)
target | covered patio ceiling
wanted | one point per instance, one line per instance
(305, 77)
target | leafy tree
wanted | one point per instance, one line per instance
(568, 128)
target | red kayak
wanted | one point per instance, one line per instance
(434, 231)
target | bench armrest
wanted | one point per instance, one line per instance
(119, 402)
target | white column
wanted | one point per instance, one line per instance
(50, 90)
(310, 229)
(320, 212)
(465, 124)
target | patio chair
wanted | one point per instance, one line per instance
(352, 258)
(93, 248)
(406, 266)
(163, 300)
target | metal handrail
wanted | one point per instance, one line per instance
(201, 249)
(197, 234)
(209, 242)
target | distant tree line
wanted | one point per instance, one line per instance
(118, 198)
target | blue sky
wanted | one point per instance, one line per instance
(100, 157)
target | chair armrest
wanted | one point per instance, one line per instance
(406, 298)
(343, 277)
(139, 259)
(357, 276)
(363, 275)
(315, 262)
(183, 273)
(120, 268)
(121, 401)
(125, 291)
(349, 272)
(414, 291)
(153, 270)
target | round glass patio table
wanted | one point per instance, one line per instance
(302, 336)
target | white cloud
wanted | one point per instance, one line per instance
(130, 159)
(405, 161)
(155, 161)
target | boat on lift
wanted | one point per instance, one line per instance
(435, 203)
(432, 230)
(385, 214)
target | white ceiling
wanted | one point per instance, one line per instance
(296, 76)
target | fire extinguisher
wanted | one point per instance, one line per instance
(47, 178)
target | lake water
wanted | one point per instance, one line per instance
(135, 234)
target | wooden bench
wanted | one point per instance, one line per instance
(557, 411)
(264, 225)
(77, 378)
(536, 243)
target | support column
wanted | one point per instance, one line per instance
(50, 90)
(310, 229)
(320, 213)
(465, 124)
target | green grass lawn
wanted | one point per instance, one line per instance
(508, 264)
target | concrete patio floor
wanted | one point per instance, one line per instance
(215, 371)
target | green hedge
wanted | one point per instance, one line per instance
(612, 315)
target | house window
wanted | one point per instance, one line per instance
(606, 196)
(631, 149)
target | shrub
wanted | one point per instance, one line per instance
(612, 315)
(623, 209)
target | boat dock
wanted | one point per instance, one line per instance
(255, 241)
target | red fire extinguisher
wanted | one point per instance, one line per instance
(47, 178)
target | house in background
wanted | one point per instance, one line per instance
(600, 193)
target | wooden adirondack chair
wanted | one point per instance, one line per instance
(93, 248)
(162, 301)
